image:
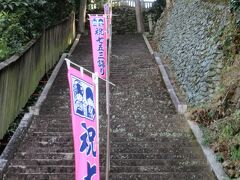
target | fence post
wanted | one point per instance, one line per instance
(150, 22)
(142, 5)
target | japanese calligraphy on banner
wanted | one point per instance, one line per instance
(84, 125)
(106, 8)
(99, 43)
(108, 14)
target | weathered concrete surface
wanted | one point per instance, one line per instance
(149, 140)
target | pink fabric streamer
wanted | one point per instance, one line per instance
(84, 125)
(99, 43)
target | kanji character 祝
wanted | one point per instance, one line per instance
(87, 140)
(99, 31)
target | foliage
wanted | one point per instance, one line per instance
(234, 5)
(13, 35)
(219, 157)
(223, 136)
(76, 5)
(10, 5)
(230, 42)
(23, 20)
(235, 152)
(157, 9)
(208, 138)
(4, 50)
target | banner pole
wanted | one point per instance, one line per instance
(95, 79)
(68, 61)
(108, 119)
(109, 58)
(108, 101)
(108, 128)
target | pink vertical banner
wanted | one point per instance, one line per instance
(99, 43)
(84, 125)
(106, 8)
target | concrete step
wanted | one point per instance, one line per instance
(150, 128)
(65, 109)
(60, 117)
(125, 132)
(68, 148)
(150, 121)
(40, 176)
(179, 150)
(48, 149)
(159, 176)
(38, 169)
(168, 144)
(51, 137)
(154, 136)
(164, 138)
(119, 145)
(60, 137)
(170, 155)
(42, 162)
(55, 157)
(59, 169)
(170, 164)
(158, 169)
(24, 155)
(62, 169)
(113, 176)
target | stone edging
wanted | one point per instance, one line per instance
(211, 158)
(148, 44)
(182, 108)
(27, 119)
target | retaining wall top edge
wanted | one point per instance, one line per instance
(16, 56)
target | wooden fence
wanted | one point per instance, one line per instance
(20, 74)
(131, 3)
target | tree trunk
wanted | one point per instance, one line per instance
(139, 16)
(82, 16)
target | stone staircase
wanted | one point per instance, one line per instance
(149, 140)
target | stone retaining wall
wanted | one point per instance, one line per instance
(185, 36)
(124, 20)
